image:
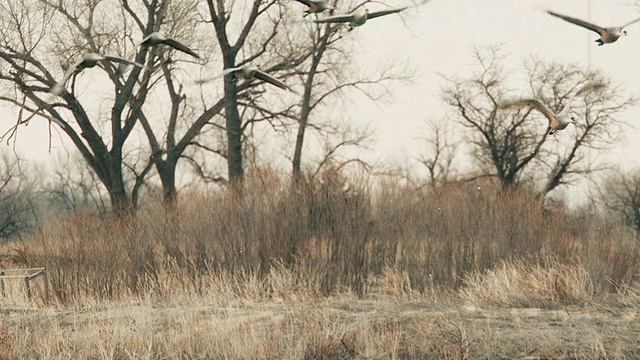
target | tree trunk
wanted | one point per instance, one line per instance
(167, 172)
(297, 154)
(234, 136)
(121, 202)
(306, 102)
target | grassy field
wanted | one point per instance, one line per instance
(316, 272)
(240, 322)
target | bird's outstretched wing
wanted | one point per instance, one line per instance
(592, 85)
(179, 46)
(375, 14)
(144, 40)
(121, 60)
(534, 103)
(230, 70)
(58, 88)
(305, 2)
(587, 25)
(589, 86)
(335, 19)
(631, 22)
(209, 79)
(266, 77)
(216, 76)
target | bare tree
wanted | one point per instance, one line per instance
(514, 146)
(620, 194)
(313, 54)
(338, 140)
(38, 33)
(74, 187)
(597, 128)
(440, 153)
(328, 74)
(322, 40)
(252, 36)
(170, 134)
(502, 145)
(17, 209)
(244, 39)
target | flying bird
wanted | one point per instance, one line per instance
(558, 121)
(316, 6)
(248, 73)
(88, 61)
(359, 18)
(155, 39)
(608, 35)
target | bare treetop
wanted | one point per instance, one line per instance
(509, 145)
(66, 32)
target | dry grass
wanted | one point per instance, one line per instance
(315, 272)
(521, 285)
(407, 326)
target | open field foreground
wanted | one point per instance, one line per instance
(340, 327)
(465, 272)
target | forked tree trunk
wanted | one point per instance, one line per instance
(167, 172)
(121, 202)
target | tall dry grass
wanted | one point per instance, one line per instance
(330, 240)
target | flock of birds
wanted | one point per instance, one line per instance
(557, 121)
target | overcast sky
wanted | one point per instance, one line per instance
(439, 38)
(444, 32)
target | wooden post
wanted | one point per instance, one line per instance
(26, 281)
(46, 285)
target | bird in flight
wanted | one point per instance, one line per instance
(608, 35)
(156, 38)
(88, 61)
(316, 6)
(557, 121)
(248, 73)
(359, 18)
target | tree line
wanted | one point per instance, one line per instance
(187, 123)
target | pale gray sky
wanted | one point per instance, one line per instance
(439, 38)
(444, 32)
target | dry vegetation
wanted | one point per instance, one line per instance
(319, 273)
